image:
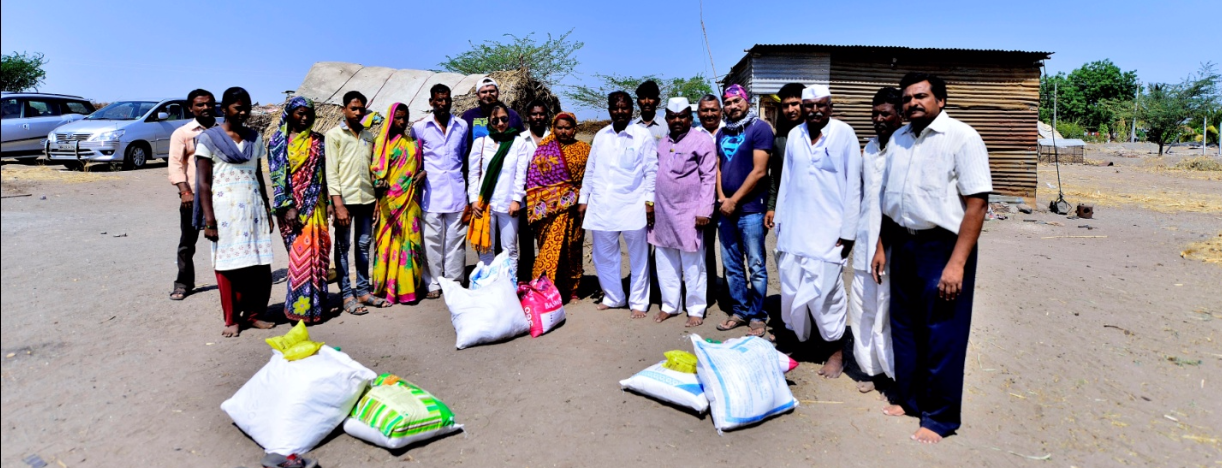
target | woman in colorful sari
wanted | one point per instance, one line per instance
(553, 181)
(296, 160)
(398, 172)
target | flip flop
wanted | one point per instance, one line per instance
(758, 328)
(180, 293)
(355, 308)
(736, 322)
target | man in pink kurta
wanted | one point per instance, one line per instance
(683, 197)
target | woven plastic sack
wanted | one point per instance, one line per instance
(743, 380)
(484, 275)
(674, 384)
(394, 413)
(487, 315)
(541, 302)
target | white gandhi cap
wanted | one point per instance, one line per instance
(816, 92)
(678, 105)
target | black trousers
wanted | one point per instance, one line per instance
(929, 335)
(186, 250)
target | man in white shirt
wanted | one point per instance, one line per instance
(869, 301)
(617, 199)
(935, 192)
(816, 223)
(443, 139)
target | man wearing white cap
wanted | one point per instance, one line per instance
(488, 93)
(683, 197)
(816, 223)
(617, 199)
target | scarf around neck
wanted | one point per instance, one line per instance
(738, 126)
(505, 139)
(222, 147)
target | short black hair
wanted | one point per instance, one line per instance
(617, 96)
(888, 95)
(350, 95)
(234, 94)
(648, 89)
(709, 98)
(791, 90)
(438, 89)
(935, 84)
(538, 103)
(198, 93)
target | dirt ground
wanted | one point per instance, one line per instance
(1085, 351)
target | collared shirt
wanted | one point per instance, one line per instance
(444, 150)
(657, 127)
(511, 183)
(348, 160)
(820, 194)
(928, 174)
(776, 166)
(720, 125)
(869, 224)
(182, 153)
(530, 140)
(620, 177)
(686, 183)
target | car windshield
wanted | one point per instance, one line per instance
(123, 110)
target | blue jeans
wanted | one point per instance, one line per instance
(742, 238)
(362, 223)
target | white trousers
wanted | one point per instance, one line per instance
(870, 320)
(445, 252)
(676, 267)
(607, 262)
(812, 296)
(505, 228)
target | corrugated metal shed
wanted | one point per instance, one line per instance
(994, 91)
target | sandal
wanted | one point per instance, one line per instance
(273, 460)
(734, 322)
(758, 328)
(433, 294)
(375, 302)
(180, 293)
(353, 307)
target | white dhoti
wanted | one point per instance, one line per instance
(812, 296)
(870, 319)
(444, 252)
(606, 256)
(676, 267)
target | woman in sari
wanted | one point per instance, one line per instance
(296, 160)
(398, 172)
(231, 207)
(553, 181)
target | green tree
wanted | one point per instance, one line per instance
(21, 71)
(1166, 110)
(549, 61)
(1083, 93)
(595, 97)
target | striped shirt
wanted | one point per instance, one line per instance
(928, 175)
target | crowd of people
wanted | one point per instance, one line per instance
(669, 183)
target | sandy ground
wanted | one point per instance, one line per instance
(1085, 352)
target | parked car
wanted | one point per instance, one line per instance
(127, 132)
(27, 117)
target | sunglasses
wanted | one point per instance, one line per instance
(497, 120)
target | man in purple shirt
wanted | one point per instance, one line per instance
(683, 204)
(443, 140)
(743, 148)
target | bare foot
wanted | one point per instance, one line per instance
(230, 331)
(865, 387)
(262, 325)
(637, 314)
(602, 306)
(661, 316)
(926, 436)
(893, 410)
(834, 366)
(694, 322)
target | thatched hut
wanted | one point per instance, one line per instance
(327, 82)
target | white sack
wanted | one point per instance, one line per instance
(491, 313)
(743, 381)
(678, 388)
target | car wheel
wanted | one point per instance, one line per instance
(137, 155)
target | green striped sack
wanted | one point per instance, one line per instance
(397, 409)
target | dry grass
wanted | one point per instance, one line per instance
(22, 174)
(1200, 163)
(1208, 251)
(1163, 200)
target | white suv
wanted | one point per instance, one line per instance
(27, 117)
(127, 132)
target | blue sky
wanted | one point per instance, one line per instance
(142, 49)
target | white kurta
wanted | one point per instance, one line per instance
(818, 204)
(243, 229)
(511, 185)
(869, 302)
(619, 179)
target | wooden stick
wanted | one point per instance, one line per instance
(1074, 237)
(17, 196)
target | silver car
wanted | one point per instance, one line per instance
(27, 117)
(127, 132)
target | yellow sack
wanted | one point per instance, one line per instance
(295, 344)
